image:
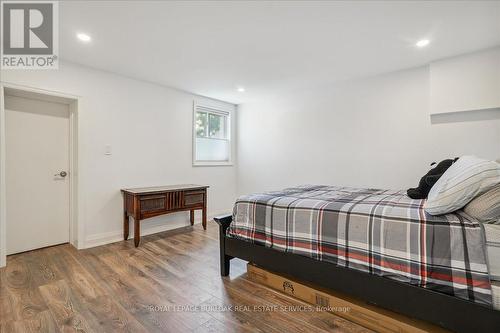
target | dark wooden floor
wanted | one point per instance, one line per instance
(118, 288)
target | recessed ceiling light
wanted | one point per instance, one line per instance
(241, 89)
(422, 43)
(83, 37)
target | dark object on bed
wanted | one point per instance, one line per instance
(430, 178)
(446, 311)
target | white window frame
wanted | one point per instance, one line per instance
(219, 110)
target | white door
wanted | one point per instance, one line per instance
(37, 194)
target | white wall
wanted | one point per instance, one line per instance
(473, 81)
(374, 132)
(150, 130)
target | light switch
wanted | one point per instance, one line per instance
(107, 150)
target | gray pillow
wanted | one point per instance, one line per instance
(486, 207)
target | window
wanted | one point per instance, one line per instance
(211, 139)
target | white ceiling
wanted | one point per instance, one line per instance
(211, 48)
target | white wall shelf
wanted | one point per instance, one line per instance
(466, 83)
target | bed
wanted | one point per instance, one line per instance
(378, 245)
(492, 232)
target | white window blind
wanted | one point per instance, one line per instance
(211, 139)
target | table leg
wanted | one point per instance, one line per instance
(137, 232)
(125, 226)
(204, 212)
(191, 216)
(204, 218)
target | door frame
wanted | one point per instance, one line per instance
(76, 228)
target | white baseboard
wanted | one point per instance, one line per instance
(117, 235)
(3, 260)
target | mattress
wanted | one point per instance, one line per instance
(495, 290)
(492, 233)
(380, 232)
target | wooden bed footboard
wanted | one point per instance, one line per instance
(443, 310)
(223, 221)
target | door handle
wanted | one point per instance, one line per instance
(61, 174)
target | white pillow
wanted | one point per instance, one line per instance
(467, 178)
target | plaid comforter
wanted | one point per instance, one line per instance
(376, 231)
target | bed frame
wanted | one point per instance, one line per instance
(444, 310)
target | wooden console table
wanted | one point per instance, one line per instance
(146, 202)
